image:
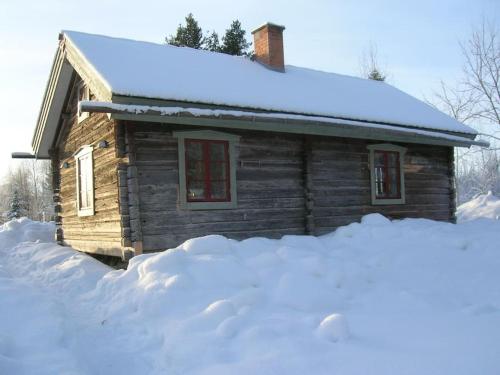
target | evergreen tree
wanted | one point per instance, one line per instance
(190, 35)
(234, 41)
(211, 42)
(376, 75)
(15, 211)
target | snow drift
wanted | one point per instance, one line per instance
(376, 297)
(482, 206)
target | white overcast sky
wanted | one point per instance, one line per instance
(417, 41)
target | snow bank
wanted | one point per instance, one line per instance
(482, 206)
(376, 297)
(34, 328)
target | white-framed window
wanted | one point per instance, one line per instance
(85, 181)
(207, 169)
(83, 95)
(387, 174)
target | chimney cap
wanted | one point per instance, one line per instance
(268, 24)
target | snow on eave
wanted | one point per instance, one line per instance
(224, 106)
(92, 106)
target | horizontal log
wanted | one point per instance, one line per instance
(163, 241)
(205, 228)
(167, 217)
(112, 248)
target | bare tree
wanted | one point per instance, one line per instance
(369, 65)
(456, 101)
(30, 182)
(482, 71)
(477, 95)
(475, 99)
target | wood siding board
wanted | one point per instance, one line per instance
(105, 224)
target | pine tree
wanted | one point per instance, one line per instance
(234, 41)
(15, 211)
(211, 42)
(376, 75)
(190, 35)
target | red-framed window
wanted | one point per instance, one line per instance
(387, 174)
(207, 170)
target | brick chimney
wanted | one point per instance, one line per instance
(268, 46)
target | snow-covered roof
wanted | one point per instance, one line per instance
(142, 69)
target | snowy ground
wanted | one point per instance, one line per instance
(380, 297)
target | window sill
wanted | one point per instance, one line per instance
(86, 212)
(380, 202)
(208, 205)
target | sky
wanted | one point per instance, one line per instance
(417, 41)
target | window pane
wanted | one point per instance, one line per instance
(218, 190)
(217, 171)
(196, 190)
(379, 159)
(387, 174)
(217, 151)
(379, 181)
(392, 159)
(393, 183)
(195, 170)
(194, 150)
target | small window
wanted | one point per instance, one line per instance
(83, 95)
(207, 169)
(386, 167)
(85, 181)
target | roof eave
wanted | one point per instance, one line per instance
(153, 101)
(48, 99)
(66, 60)
(279, 123)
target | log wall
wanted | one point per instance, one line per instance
(269, 189)
(341, 183)
(286, 184)
(102, 232)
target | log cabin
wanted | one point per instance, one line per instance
(154, 144)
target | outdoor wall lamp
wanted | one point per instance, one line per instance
(103, 144)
